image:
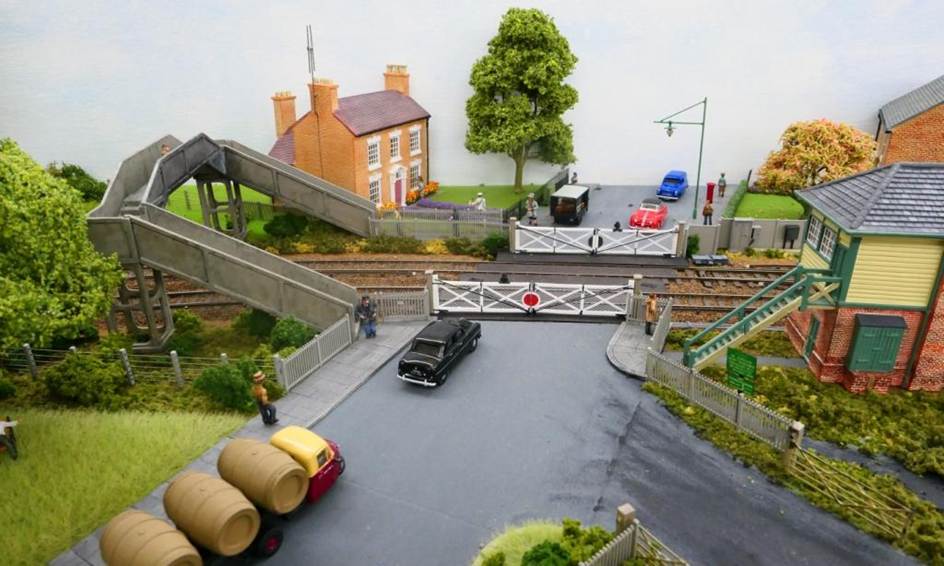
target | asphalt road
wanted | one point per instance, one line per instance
(537, 424)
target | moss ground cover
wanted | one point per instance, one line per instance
(908, 426)
(77, 469)
(924, 538)
(755, 205)
(518, 539)
(770, 343)
(185, 202)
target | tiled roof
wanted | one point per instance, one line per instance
(918, 101)
(903, 198)
(366, 113)
(284, 148)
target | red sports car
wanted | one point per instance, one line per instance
(650, 214)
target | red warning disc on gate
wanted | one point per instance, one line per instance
(530, 299)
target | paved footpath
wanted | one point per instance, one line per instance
(305, 405)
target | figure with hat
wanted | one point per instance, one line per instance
(366, 315)
(531, 208)
(266, 409)
(652, 312)
(479, 201)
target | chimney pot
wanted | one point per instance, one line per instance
(324, 96)
(284, 105)
(397, 78)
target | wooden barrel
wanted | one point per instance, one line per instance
(269, 477)
(213, 513)
(136, 538)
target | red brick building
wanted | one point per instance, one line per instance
(911, 127)
(374, 144)
(881, 233)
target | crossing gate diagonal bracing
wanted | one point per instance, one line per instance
(594, 241)
(530, 298)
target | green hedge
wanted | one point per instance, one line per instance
(730, 209)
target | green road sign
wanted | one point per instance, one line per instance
(742, 370)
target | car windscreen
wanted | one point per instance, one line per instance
(672, 181)
(649, 206)
(427, 348)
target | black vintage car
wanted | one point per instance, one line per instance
(436, 349)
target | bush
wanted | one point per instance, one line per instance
(89, 187)
(749, 252)
(86, 380)
(730, 209)
(460, 246)
(286, 225)
(494, 243)
(691, 245)
(392, 245)
(255, 322)
(546, 553)
(496, 559)
(583, 543)
(290, 332)
(84, 335)
(188, 333)
(226, 385)
(773, 253)
(7, 389)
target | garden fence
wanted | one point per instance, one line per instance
(635, 543)
(493, 215)
(435, 229)
(402, 305)
(725, 402)
(295, 368)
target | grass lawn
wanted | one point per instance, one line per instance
(78, 469)
(496, 196)
(517, 540)
(769, 206)
(185, 202)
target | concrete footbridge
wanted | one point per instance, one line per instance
(131, 222)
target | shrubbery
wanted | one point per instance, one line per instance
(7, 389)
(494, 559)
(225, 384)
(692, 245)
(86, 380)
(582, 543)
(392, 245)
(486, 249)
(546, 553)
(188, 333)
(290, 332)
(286, 225)
(89, 187)
(494, 243)
(256, 323)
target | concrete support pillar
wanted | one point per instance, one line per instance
(143, 304)
(794, 445)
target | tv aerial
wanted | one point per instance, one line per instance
(311, 53)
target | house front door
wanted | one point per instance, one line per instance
(398, 190)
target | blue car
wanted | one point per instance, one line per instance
(673, 185)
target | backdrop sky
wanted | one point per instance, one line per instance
(94, 81)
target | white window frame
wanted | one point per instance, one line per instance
(378, 179)
(419, 171)
(375, 142)
(814, 231)
(416, 130)
(395, 135)
(828, 243)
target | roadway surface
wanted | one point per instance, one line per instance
(537, 424)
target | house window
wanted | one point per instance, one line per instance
(828, 244)
(414, 174)
(415, 140)
(374, 190)
(373, 153)
(812, 234)
(395, 146)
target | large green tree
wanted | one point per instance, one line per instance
(815, 152)
(520, 94)
(88, 186)
(52, 281)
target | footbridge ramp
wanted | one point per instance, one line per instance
(131, 223)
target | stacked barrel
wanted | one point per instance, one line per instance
(218, 515)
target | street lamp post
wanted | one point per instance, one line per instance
(669, 128)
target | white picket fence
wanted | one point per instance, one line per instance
(293, 369)
(552, 298)
(595, 241)
(635, 543)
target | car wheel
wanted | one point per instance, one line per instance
(269, 542)
(475, 344)
(444, 378)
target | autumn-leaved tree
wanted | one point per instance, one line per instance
(520, 94)
(53, 283)
(815, 152)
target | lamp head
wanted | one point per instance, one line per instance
(669, 129)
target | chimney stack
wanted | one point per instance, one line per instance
(324, 96)
(284, 104)
(397, 78)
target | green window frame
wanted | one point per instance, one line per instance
(813, 232)
(827, 243)
(875, 343)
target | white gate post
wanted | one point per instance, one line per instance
(430, 292)
(513, 235)
(681, 239)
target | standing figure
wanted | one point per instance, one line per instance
(266, 409)
(573, 178)
(722, 184)
(479, 201)
(617, 227)
(531, 208)
(652, 312)
(367, 316)
(420, 184)
(707, 212)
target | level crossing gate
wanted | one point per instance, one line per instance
(531, 298)
(597, 241)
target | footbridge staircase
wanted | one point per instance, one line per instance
(149, 241)
(798, 289)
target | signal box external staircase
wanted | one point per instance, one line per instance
(798, 289)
